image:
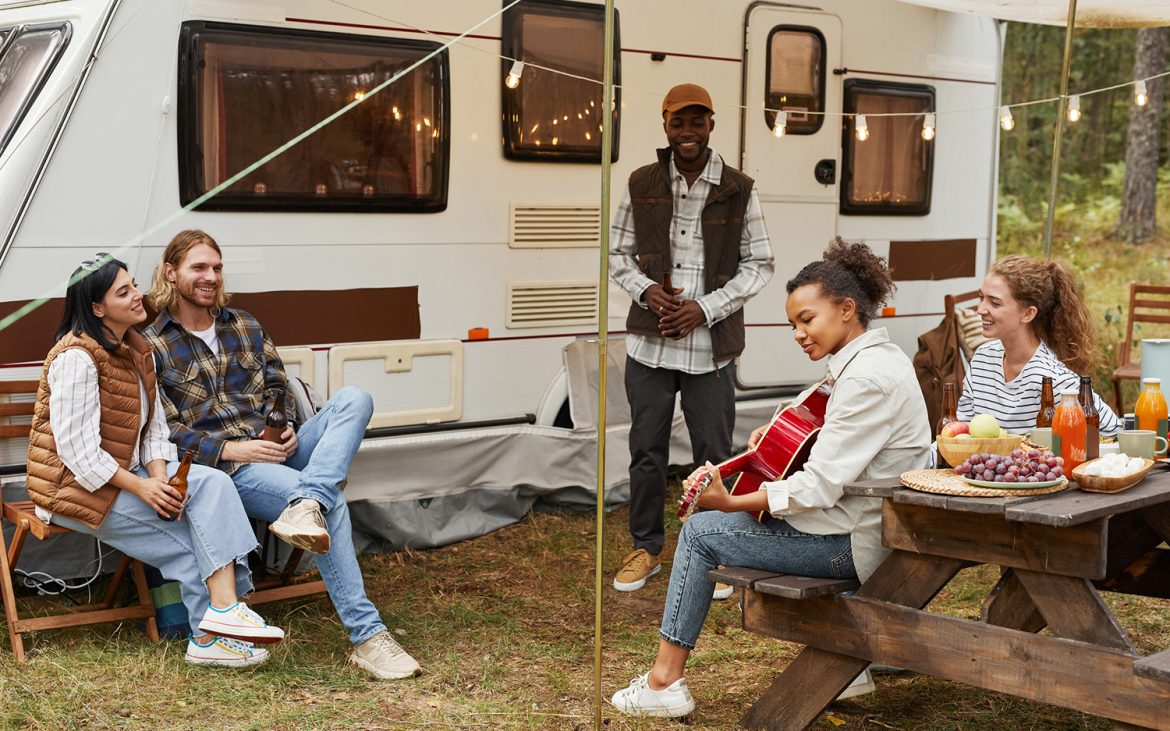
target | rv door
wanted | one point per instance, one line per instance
(788, 68)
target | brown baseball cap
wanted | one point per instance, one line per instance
(686, 95)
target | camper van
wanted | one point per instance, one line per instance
(429, 229)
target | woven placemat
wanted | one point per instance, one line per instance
(946, 482)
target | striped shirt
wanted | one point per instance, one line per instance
(691, 354)
(1016, 404)
(75, 415)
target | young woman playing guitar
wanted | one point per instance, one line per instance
(875, 426)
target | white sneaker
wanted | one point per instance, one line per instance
(384, 658)
(639, 700)
(861, 685)
(722, 591)
(224, 652)
(303, 526)
(241, 623)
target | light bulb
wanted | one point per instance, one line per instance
(359, 95)
(861, 128)
(1074, 108)
(1006, 120)
(1141, 97)
(513, 79)
(781, 125)
(928, 124)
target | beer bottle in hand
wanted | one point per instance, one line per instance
(276, 421)
(179, 482)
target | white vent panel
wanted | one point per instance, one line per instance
(554, 225)
(552, 304)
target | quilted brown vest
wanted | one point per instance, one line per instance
(653, 209)
(51, 484)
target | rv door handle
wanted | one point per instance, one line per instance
(826, 172)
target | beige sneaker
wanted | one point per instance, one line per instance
(637, 566)
(303, 526)
(722, 591)
(384, 658)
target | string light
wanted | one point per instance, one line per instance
(928, 123)
(781, 125)
(1006, 120)
(513, 79)
(1074, 108)
(1141, 97)
(862, 129)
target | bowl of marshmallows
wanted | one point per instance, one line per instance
(1111, 473)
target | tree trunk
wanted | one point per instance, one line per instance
(1139, 201)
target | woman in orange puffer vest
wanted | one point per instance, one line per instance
(99, 459)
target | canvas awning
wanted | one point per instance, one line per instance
(1090, 13)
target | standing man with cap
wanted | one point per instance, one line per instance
(688, 244)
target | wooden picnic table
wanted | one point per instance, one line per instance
(1056, 552)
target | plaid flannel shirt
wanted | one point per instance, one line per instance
(691, 354)
(212, 399)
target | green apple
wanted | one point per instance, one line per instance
(964, 435)
(984, 426)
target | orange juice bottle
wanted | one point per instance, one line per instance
(1151, 407)
(1068, 430)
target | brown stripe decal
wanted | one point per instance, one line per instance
(30, 337)
(932, 260)
(290, 317)
(335, 316)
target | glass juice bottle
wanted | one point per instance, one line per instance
(1068, 430)
(1151, 407)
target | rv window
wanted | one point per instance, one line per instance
(246, 91)
(890, 172)
(550, 115)
(795, 78)
(26, 58)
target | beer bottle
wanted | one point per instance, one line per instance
(1092, 419)
(950, 407)
(179, 482)
(276, 421)
(1047, 403)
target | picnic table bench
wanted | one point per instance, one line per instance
(1056, 553)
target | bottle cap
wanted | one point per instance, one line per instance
(1129, 416)
(1070, 392)
(1153, 381)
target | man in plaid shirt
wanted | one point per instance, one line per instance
(688, 245)
(218, 369)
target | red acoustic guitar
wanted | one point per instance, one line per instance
(781, 451)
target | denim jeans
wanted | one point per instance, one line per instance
(212, 532)
(326, 445)
(711, 539)
(708, 405)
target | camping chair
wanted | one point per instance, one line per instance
(1153, 307)
(23, 515)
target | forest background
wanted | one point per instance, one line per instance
(1089, 233)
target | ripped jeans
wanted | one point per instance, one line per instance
(711, 539)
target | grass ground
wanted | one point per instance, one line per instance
(503, 626)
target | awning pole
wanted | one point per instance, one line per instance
(1058, 138)
(602, 341)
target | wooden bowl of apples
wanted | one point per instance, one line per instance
(955, 442)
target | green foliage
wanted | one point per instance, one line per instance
(1094, 147)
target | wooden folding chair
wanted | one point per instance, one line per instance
(1149, 303)
(22, 514)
